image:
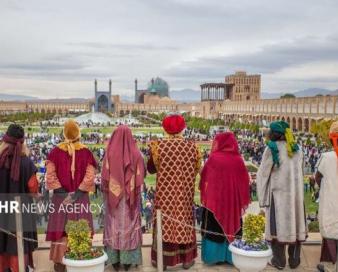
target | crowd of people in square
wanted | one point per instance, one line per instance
(70, 171)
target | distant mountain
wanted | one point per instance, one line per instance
(189, 95)
(185, 95)
(14, 97)
(303, 93)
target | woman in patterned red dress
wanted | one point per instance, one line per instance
(176, 162)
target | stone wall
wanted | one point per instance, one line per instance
(40, 106)
(299, 112)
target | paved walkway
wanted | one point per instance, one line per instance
(310, 258)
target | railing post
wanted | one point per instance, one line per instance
(159, 241)
(19, 236)
(337, 256)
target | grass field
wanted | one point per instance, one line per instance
(310, 206)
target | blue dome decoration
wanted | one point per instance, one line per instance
(158, 86)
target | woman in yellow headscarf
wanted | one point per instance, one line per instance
(70, 174)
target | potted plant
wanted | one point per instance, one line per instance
(81, 257)
(251, 253)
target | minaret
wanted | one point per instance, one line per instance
(110, 87)
(95, 86)
(136, 99)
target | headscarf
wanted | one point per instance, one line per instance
(10, 158)
(334, 136)
(282, 128)
(123, 168)
(173, 123)
(225, 184)
(72, 135)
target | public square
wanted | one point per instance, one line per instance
(41, 139)
(168, 135)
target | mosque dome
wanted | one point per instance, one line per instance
(158, 86)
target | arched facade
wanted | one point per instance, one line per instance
(300, 113)
(103, 100)
(103, 103)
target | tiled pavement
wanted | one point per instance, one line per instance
(310, 258)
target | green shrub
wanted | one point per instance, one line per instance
(314, 226)
(253, 229)
(79, 241)
(251, 168)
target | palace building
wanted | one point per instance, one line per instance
(237, 87)
(245, 87)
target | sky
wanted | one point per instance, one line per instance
(55, 49)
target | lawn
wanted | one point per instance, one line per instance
(204, 146)
(310, 206)
(150, 180)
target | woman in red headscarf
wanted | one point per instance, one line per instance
(123, 173)
(176, 162)
(225, 196)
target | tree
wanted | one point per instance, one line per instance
(321, 129)
(288, 95)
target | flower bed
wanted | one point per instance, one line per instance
(263, 245)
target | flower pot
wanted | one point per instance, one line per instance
(93, 265)
(250, 261)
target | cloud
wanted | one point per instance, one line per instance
(53, 70)
(62, 43)
(98, 45)
(268, 59)
(307, 59)
(42, 66)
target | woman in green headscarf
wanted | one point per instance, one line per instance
(280, 192)
(280, 131)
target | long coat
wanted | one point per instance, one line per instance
(177, 163)
(281, 191)
(328, 208)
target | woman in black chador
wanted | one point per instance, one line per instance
(17, 178)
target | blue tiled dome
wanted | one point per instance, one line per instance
(158, 86)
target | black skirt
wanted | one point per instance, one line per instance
(209, 223)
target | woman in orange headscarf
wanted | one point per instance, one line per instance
(327, 179)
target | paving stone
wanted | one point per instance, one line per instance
(310, 258)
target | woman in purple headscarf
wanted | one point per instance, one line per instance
(123, 173)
